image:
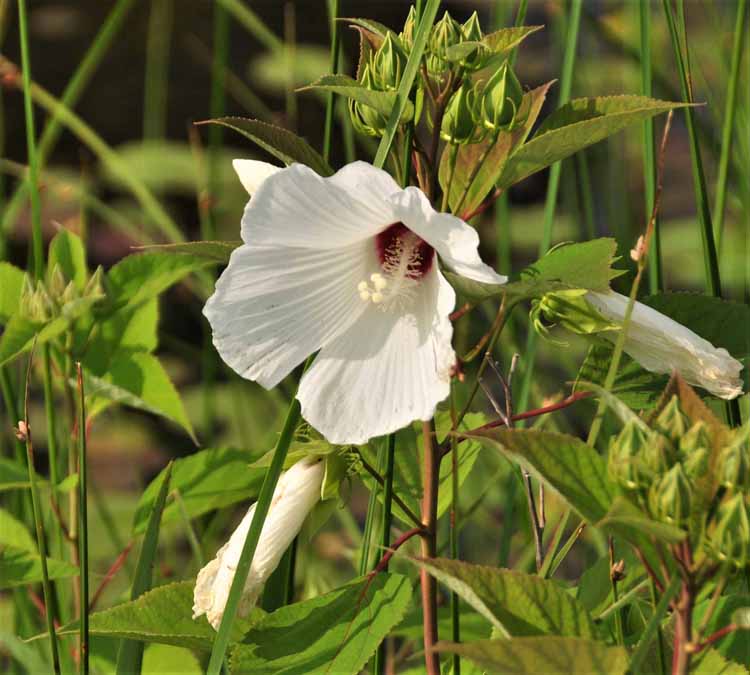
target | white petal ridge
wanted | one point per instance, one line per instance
(252, 173)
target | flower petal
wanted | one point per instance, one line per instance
(297, 491)
(456, 242)
(274, 305)
(387, 370)
(297, 207)
(662, 345)
(252, 173)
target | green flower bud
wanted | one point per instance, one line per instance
(625, 465)
(365, 119)
(407, 33)
(460, 120)
(670, 497)
(472, 32)
(659, 454)
(570, 310)
(502, 99)
(671, 421)
(734, 466)
(696, 463)
(388, 64)
(95, 286)
(730, 541)
(56, 282)
(696, 438)
(445, 34)
(70, 294)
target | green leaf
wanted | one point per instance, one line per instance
(735, 646)
(130, 329)
(11, 284)
(206, 480)
(24, 653)
(280, 70)
(215, 251)
(332, 633)
(14, 476)
(20, 332)
(382, 101)
(130, 655)
(14, 533)
(139, 380)
(475, 179)
(566, 463)
(576, 125)
(379, 29)
(513, 602)
(142, 276)
(711, 662)
(66, 250)
(582, 265)
(161, 659)
(282, 144)
(502, 41)
(163, 615)
(625, 519)
(20, 568)
(550, 655)
(723, 323)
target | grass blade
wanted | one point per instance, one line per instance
(566, 82)
(729, 116)
(333, 12)
(83, 534)
(649, 160)
(407, 80)
(156, 79)
(130, 654)
(641, 649)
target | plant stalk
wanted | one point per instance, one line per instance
(83, 536)
(428, 538)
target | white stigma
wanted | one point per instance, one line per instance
(402, 271)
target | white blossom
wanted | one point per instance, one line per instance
(345, 266)
(662, 345)
(297, 492)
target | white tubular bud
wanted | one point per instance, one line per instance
(297, 491)
(662, 345)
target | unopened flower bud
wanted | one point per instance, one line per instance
(388, 63)
(56, 282)
(296, 493)
(734, 465)
(659, 454)
(407, 33)
(472, 32)
(730, 541)
(670, 497)
(695, 438)
(672, 421)
(696, 463)
(625, 465)
(445, 34)
(570, 310)
(365, 119)
(460, 120)
(502, 99)
(95, 286)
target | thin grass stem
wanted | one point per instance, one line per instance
(730, 110)
(83, 533)
(566, 83)
(156, 79)
(333, 13)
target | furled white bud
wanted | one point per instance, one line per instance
(297, 492)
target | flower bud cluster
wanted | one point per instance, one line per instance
(673, 469)
(43, 301)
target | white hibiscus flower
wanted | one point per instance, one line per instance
(297, 491)
(346, 265)
(662, 345)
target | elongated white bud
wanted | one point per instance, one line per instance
(662, 345)
(297, 491)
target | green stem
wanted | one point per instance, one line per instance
(39, 526)
(659, 633)
(83, 534)
(270, 480)
(454, 530)
(253, 23)
(156, 79)
(372, 505)
(333, 13)
(37, 246)
(380, 655)
(649, 158)
(69, 98)
(730, 111)
(566, 83)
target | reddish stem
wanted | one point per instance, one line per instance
(400, 541)
(715, 637)
(114, 569)
(483, 206)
